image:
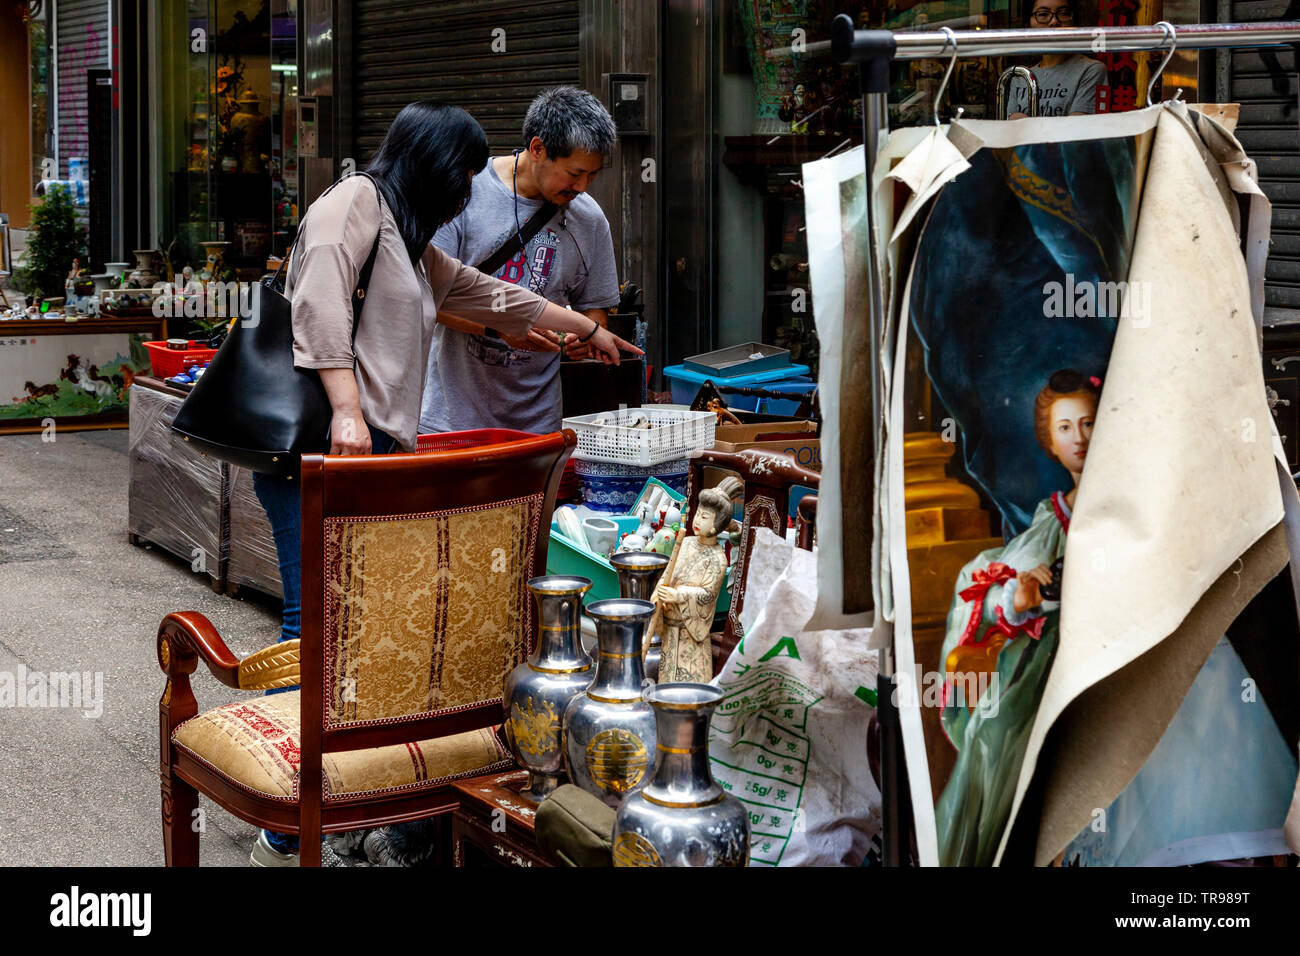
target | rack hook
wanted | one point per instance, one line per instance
(1171, 34)
(948, 38)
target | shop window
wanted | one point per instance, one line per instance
(227, 132)
(38, 47)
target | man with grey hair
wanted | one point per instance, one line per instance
(478, 378)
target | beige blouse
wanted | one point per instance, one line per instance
(392, 345)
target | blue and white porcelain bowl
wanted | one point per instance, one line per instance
(616, 469)
(617, 494)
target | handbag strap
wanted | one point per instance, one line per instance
(276, 282)
(518, 239)
(363, 281)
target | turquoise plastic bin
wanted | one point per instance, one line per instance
(565, 557)
(685, 383)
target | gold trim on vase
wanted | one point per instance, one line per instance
(686, 804)
(561, 670)
(614, 700)
(680, 750)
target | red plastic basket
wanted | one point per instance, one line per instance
(441, 441)
(167, 362)
(570, 489)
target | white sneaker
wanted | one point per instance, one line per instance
(266, 855)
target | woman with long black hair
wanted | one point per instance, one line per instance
(418, 179)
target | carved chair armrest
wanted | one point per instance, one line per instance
(187, 636)
(184, 637)
(805, 522)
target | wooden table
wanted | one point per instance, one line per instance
(493, 826)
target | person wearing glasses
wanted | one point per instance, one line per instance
(1067, 82)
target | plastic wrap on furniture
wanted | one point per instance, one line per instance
(175, 497)
(252, 560)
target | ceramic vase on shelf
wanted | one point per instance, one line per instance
(215, 263)
(682, 817)
(638, 573)
(538, 690)
(609, 731)
(142, 276)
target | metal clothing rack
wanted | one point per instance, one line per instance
(873, 51)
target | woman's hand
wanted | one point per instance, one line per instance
(1028, 584)
(605, 345)
(584, 331)
(348, 433)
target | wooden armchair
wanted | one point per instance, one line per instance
(769, 478)
(414, 610)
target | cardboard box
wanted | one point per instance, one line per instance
(734, 438)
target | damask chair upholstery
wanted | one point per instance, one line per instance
(769, 479)
(414, 610)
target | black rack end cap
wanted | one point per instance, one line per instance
(851, 45)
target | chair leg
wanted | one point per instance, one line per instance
(309, 838)
(443, 855)
(180, 837)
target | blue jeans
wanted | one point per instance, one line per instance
(281, 499)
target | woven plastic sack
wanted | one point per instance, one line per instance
(790, 737)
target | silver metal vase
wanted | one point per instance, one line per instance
(682, 817)
(609, 731)
(538, 690)
(638, 574)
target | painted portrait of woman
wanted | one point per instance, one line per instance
(1002, 633)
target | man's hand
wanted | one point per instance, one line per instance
(538, 340)
(577, 351)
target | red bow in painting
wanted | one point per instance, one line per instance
(980, 582)
(1033, 627)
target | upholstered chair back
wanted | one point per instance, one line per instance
(414, 600)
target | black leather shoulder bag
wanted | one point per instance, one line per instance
(252, 407)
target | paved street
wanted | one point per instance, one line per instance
(75, 596)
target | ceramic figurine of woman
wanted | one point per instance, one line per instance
(1003, 631)
(689, 591)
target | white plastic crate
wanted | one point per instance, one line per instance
(674, 433)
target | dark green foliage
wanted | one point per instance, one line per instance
(55, 241)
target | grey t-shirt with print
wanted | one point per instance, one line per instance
(1068, 87)
(477, 381)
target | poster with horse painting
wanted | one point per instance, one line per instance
(80, 377)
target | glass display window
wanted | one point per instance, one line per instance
(226, 148)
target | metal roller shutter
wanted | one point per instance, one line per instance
(82, 44)
(1269, 128)
(409, 51)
